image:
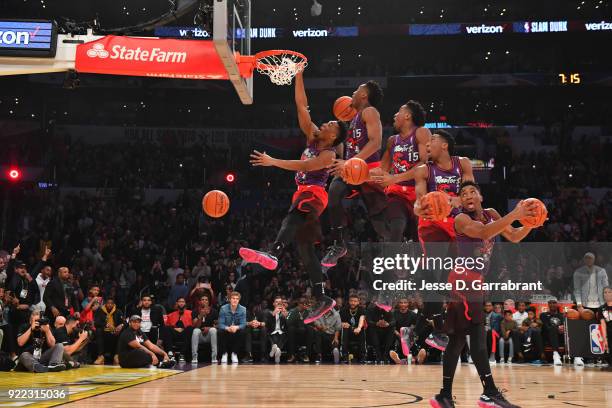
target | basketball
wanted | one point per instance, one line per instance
(540, 217)
(343, 110)
(573, 314)
(587, 314)
(439, 203)
(356, 171)
(215, 203)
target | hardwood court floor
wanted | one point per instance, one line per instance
(311, 386)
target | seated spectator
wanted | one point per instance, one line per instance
(493, 316)
(299, 334)
(231, 327)
(201, 288)
(152, 318)
(256, 329)
(108, 321)
(276, 323)
(327, 336)
(380, 331)
(520, 314)
(353, 323)
(178, 290)
(38, 350)
(136, 350)
(553, 330)
(531, 343)
(204, 329)
(508, 327)
(66, 332)
(178, 330)
(403, 317)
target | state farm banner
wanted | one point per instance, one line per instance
(151, 57)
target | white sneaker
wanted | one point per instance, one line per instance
(273, 350)
(470, 361)
(234, 358)
(509, 360)
(492, 360)
(277, 355)
(557, 359)
(224, 358)
(578, 362)
(336, 354)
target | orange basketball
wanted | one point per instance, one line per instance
(573, 314)
(587, 314)
(343, 110)
(215, 203)
(439, 203)
(356, 171)
(540, 217)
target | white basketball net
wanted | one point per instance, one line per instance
(281, 68)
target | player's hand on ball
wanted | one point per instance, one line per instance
(423, 209)
(337, 168)
(384, 179)
(260, 159)
(525, 209)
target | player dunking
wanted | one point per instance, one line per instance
(309, 201)
(404, 152)
(363, 141)
(444, 172)
(476, 229)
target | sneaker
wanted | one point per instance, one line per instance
(331, 258)
(39, 368)
(438, 341)
(72, 365)
(306, 359)
(336, 354)
(116, 359)
(509, 360)
(273, 351)
(167, 364)
(181, 359)
(318, 359)
(247, 360)
(264, 259)
(99, 360)
(441, 401)
(387, 308)
(194, 359)
(557, 359)
(470, 361)
(492, 360)
(395, 357)
(234, 358)
(57, 367)
(578, 362)
(323, 305)
(224, 358)
(495, 400)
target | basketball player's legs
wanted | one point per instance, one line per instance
(313, 266)
(338, 189)
(269, 260)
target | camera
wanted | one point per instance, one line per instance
(43, 321)
(87, 328)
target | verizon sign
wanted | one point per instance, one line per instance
(598, 26)
(484, 29)
(190, 59)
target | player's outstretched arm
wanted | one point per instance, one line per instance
(301, 103)
(323, 160)
(475, 229)
(511, 233)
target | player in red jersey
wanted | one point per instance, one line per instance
(476, 229)
(309, 201)
(445, 172)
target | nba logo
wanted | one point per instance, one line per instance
(596, 339)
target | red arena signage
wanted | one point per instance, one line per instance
(191, 59)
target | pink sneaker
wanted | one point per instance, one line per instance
(262, 258)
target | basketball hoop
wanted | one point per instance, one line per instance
(280, 66)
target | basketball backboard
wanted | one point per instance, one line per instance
(231, 34)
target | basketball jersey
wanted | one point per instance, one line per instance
(447, 181)
(315, 177)
(356, 139)
(404, 155)
(476, 247)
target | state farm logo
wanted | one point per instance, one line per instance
(123, 53)
(97, 51)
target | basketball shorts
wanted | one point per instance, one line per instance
(372, 194)
(465, 307)
(311, 200)
(437, 231)
(401, 200)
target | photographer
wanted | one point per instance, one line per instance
(136, 350)
(39, 351)
(74, 339)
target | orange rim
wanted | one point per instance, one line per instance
(247, 63)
